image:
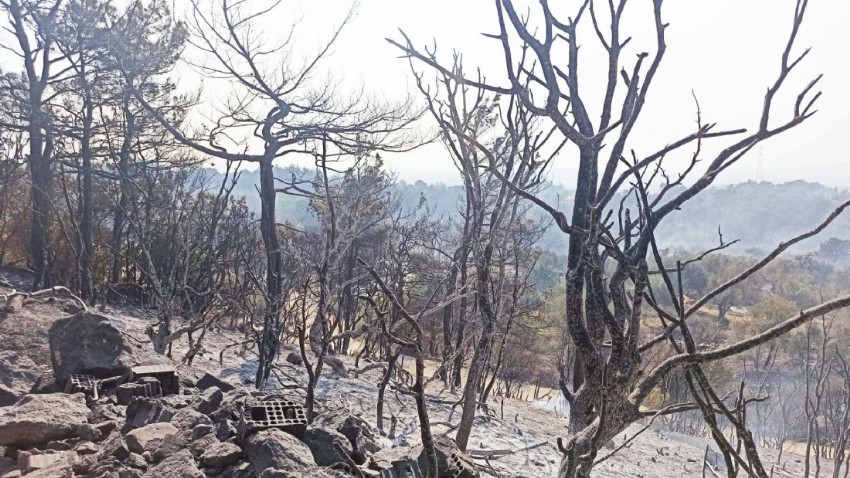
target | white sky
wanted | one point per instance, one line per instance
(726, 51)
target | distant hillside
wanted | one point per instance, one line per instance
(760, 214)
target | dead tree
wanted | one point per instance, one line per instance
(277, 109)
(33, 24)
(497, 149)
(543, 74)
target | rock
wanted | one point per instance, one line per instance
(37, 419)
(136, 461)
(17, 377)
(46, 464)
(209, 380)
(114, 446)
(90, 433)
(149, 437)
(209, 401)
(361, 437)
(129, 473)
(225, 430)
(450, 460)
(175, 401)
(89, 344)
(105, 428)
(84, 464)
(199, 446)
(187, 419)
(58, 446)
(201, 430)
(144, 411)
(230, 405)
(239, 470)
(273, 473)
(170, 445)
(107, 468)
(179, 465)
(221, 455)
(274, 448)
(86, 448)
(321, 443)
(294, 358)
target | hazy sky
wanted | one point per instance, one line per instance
(726, 51)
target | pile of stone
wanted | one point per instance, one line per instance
(204, 428)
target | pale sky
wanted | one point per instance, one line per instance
(726, 51)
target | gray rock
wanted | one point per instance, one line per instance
(114, 446)
(179, 465)
(199, 446)
(144, 411)
(186, 419)
(201, 430)
(90, 433)
(37, 419)
(276, 449)
(149, 437)
(361, 436)
(209, 401)
(450, 460)
(224, 430)
(294, 358)
(239, 470)
(17, 377)
(129, 473)
(86, 448)
(136, 461)
(273, 473)
(221, 455)
(170, 445)
(321, 443)
(209, 380)
(89, 344)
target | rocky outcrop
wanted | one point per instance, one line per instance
(89, 344)
(38, 419)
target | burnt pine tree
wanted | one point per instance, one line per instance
(612, 243)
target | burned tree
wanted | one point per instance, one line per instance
(611, 245)
(277, 109)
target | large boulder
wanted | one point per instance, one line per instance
(89, 344)
(178, 465)
(38, 419)
(276, 449)
(322, 443)
(17, 376)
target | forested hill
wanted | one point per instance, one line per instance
(759, 214)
